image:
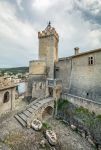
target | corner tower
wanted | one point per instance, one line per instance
(48, 48)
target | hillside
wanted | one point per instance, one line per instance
(15, 70)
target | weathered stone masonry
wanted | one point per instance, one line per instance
(79, 77)
(80, 74)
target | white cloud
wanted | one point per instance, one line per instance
(19, 3)
(19, 38)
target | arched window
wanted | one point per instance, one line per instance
(6, 97)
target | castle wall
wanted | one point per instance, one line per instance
(85, 78)
(37, 67)
(38, 89)
(80, 78)
(36, 86)
(37, 78)
(63, 72)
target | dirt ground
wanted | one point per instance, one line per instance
(14, 137)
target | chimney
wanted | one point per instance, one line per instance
(76, 50)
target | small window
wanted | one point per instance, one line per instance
(91, 60)
(87, 94)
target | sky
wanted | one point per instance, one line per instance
(78, 23)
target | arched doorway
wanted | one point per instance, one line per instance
(6, 97)
(47, 113)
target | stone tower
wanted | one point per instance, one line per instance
(48, 48)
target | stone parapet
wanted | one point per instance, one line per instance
(91, 105)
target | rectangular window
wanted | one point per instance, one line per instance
(91, 60)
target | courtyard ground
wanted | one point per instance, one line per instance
(14, 137)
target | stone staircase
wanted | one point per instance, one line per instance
(24, 115)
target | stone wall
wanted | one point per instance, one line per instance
(37, 67)
(37, 77)
(36, 86)
(63, 72)
(38, 89)
(79, 78)
(92, 106)
(5, 107)
(85, 78)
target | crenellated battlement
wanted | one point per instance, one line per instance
(49, 31)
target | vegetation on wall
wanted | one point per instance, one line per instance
(82, 118)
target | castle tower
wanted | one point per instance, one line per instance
(48, 48)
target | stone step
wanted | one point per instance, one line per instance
(27, 113)
(34, 107)
(30, 109)
(23, 117)
(22, 122)
(36, 104)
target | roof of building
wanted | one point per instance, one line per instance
(7, 87)
(81, 54)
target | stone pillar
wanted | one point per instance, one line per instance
(56, 107)
(13, 98)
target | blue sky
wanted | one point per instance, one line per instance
(78, 23)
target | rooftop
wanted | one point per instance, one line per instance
(5, 83)
(81, 54)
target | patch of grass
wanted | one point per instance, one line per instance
(62, 103)
(45, 125)
(98, 117)
(82, 110)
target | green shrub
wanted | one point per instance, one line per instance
(62, 104)
(45, 125)
(98, 117)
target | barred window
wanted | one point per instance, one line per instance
(91, 60)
